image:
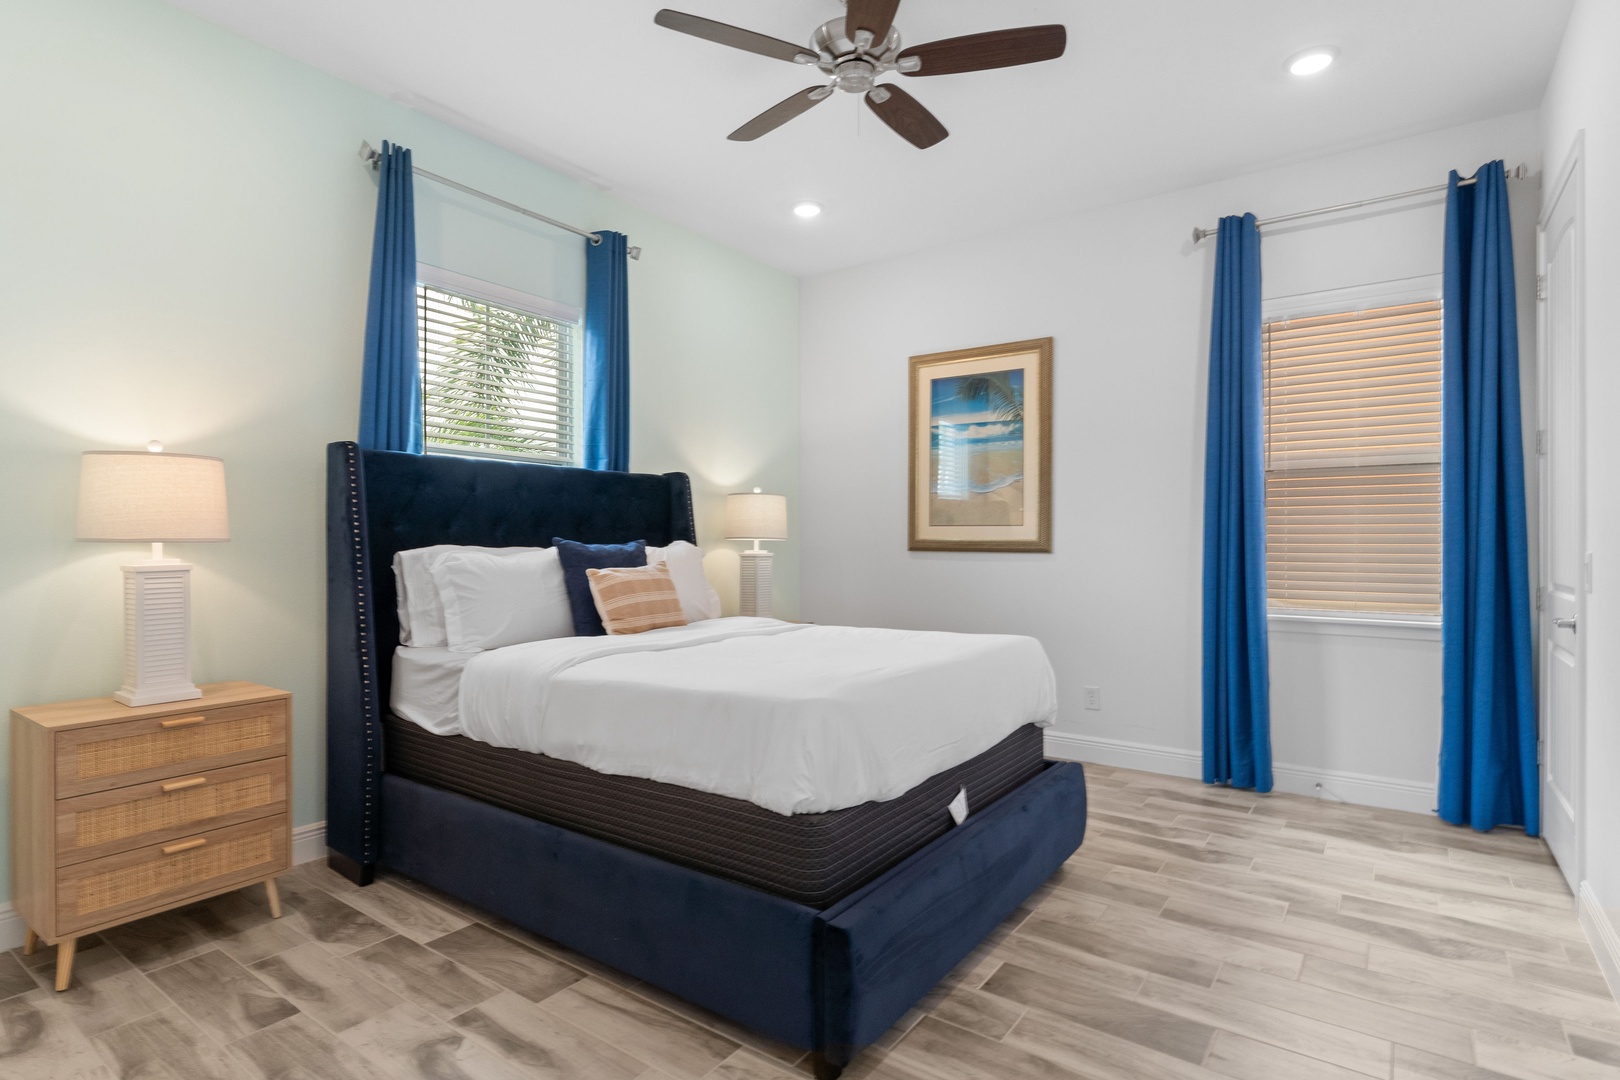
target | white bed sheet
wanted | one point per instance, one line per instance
(794, 718)
(427, 687)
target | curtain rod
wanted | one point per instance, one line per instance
(1519, 173)
(371, 157)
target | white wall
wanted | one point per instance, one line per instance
(185, 237)
(1126, 296)
(1584, 96)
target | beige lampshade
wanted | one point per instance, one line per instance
(141, 497)
(753, 516)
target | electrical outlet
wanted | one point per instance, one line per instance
(1093, 697)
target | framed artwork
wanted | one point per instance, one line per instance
(981, 449)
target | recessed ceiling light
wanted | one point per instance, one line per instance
(807, 209)
(1312, 61)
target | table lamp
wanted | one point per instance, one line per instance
(755, 516)
(135, 496)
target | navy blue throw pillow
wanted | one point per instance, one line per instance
(576, 558)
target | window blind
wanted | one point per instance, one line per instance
(1352, 457)
(495, 380)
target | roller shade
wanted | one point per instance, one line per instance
(1352, 452)
(495, 380)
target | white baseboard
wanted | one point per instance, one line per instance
(1601, 933)
(1357, 788)
(309, 844)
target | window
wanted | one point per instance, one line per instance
(497, 371)
(1352, 460)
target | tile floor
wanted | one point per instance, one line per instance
(1199, 933)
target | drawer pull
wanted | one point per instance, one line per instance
(184, 845)
(181, 785)
(183, 721)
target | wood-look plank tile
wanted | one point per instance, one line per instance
(1096, 1054)
(640, 1028)
(1089, 877)
(39, 1042)
(1462, 888)
(1247, 1059)
(299, 1047)
(321, 916)
(1562, 976)
(511, 1027)
(1439, 925)
(1528, 1061)
(763, 1045)
(944, 1052)
(1130, 952)
(164, 1046)
(1453, 1004)
(506, 962)
(1600, 1046)
(224, 998)
(97, 1001)
(1169, 935)
(1073, 965)
(1274, 931)
(747, 1065)
(406, 912)
(422, 976)
(1127, 823)
(325, 986)
(1552, 1003)
(1413, 1064)
(1384, 1021)
(1180, 849)
(1289, 1031)
(1190, 804)
(1239, 903)
(1404, 936)
(1107, 849)
(411, 1045)
(979, 1012)
(239, 924)
(157, 940)
(1252, 848)
(14, 978)
(1122, 1017)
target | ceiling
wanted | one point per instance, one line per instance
(1152, 95)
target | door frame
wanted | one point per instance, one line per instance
(1571, 177)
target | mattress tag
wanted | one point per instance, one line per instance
(958, 807)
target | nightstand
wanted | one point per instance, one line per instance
(118, 813)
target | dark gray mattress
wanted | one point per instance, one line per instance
(814, 859)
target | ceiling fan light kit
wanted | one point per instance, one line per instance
(855, 51)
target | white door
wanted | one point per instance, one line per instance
(1564, 566)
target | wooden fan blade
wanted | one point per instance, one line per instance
(874, 15)
(780, 113)
(908, 118)
(735, 36)
(996, 49)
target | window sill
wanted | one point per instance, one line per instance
(1350, 624)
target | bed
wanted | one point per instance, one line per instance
(821, 955)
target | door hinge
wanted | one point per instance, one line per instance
(1541, 286)
(1541, 441)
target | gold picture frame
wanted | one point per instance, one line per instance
(981, 449)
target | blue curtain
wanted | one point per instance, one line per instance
(391, 382)
(1237, 681)
(607, 354)
(1488, 734)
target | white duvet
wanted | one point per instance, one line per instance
(797, 719)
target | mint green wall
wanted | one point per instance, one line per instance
(185, 235)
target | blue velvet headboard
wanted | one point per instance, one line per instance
(379, 503)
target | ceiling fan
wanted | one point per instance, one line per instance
(856, 50)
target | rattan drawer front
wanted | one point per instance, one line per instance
(118, 755)
(118, 887)
(108, 822)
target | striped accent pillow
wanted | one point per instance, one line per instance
(632, 599)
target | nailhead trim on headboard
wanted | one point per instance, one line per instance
(368, 680)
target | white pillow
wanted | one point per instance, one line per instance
(493, 600)
(699, 601)
(421, 616)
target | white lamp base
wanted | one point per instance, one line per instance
(157, 633)
(755, 597)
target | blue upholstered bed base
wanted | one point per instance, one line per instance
(831, 981)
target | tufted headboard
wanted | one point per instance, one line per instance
(379, 503)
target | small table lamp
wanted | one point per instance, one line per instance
(135, 496)
(756, 517)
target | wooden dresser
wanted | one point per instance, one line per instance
(118, 813)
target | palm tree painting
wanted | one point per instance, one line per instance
(977, 449)
(492, 377)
